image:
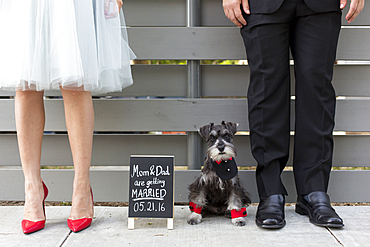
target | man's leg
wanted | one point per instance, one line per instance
(267, 45)
(269, 102)
(314, 44)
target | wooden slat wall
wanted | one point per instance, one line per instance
(179, 114)
(204, 43)
(157, 102)
(348, 80)
(115, 150)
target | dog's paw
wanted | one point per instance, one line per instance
(194, 218)
(239, 221)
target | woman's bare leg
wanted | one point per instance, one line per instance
(30, 122)
(79, 115)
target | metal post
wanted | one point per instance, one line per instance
(194, 155)
(193, 13)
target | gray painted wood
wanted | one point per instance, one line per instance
(157, 80)
(155, 12)
(190, 43)
(222, 81)
(113, 185)
(352, 80)
(115, 150)
(172, 13)
(352, 44)
(108, 150)
(352, 115)
(222, 43)
(172, 114)
(134, 115)
(5, 94)
(233, 80)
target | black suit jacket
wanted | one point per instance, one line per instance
(270, 6)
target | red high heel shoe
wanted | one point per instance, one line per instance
(80, 224)
(29, 226)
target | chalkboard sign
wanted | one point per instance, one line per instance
(151, 192)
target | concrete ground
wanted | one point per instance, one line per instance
(109, 228)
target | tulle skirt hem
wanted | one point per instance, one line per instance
(73, 44)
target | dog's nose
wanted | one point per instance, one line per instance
(221, 147)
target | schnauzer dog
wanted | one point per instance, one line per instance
(218, 189)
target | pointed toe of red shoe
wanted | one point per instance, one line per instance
(79, 224)
(32, 226)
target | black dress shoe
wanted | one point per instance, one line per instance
(270, 212)
(317, 206)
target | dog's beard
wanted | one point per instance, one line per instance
(216, 154)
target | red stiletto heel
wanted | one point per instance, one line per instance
(80, 224)
(29, 226)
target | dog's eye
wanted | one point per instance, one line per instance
(227, 137)
(212, 138)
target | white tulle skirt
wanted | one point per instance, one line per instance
(74, 44)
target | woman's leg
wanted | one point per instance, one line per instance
(79, 115)
(30, 122)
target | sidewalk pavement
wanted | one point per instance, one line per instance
(109, 228)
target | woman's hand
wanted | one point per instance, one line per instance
(112, 8)
(119, 3)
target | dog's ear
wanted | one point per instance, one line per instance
(232, 127)
(205, 130)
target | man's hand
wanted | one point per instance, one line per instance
(234, 13)
(355, 8)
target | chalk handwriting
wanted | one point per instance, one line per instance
(154, 170)
(148, 194)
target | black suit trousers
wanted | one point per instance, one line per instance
(312, 38)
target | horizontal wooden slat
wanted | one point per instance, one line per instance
(138, 114)
(222, 81)
(233, 80)
(173, 13)
(222, 43)
(352, 44)
(352, 115)
(169, 114)
(113, 185)
(132, 115)
(352, 80)
(155, 12)
(158, 80)
(186, 43)
(115, 150)
(108, 149)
